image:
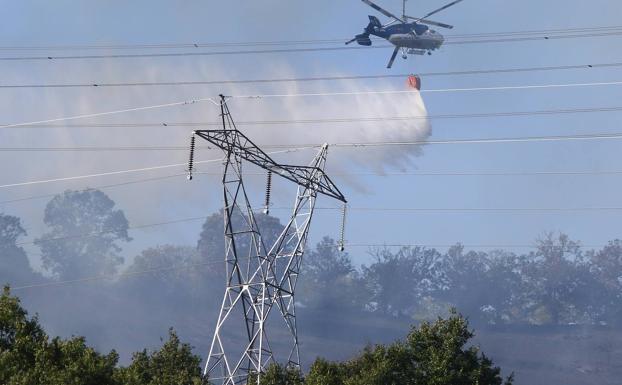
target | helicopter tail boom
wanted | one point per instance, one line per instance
(363, 38)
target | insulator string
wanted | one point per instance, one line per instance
(266, 209)
(343, 228)
(191, 159)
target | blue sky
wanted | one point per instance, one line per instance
(33, 23)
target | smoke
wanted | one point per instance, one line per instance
(163, 198)
(360, 106)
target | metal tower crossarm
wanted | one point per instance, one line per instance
(305, 176)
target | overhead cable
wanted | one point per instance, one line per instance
(442, 90)
(320, 94)
(292, 50)
(595, 136)
(335, 120)
(398, 210)
(312, 79)
(98, 114)
(78, 47)
(129, 171)
(294, 147)
(384, 174)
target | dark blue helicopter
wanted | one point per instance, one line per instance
(412, 38)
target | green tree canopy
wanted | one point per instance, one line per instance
(174, 363)
(435, 353)
(29, 357)
(278, 375)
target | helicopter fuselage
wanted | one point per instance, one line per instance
(411, 38)
(410, 35)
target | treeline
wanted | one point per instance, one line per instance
(557, 283)
(434, 353)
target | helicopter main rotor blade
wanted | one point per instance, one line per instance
(441, 9)
(436, 23)
(383, 11)
(393, 57)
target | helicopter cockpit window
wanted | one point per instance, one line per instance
(421, 29)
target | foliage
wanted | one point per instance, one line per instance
(84, 235)
(329, 280)
(29, 357)
(413, 268)
(434, 353)
(277, 375)
(174, 363)
(172, 269)
(323, 372)
(14, 264)
(211, 244)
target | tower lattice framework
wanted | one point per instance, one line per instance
(261, 278)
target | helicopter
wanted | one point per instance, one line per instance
(412, 38)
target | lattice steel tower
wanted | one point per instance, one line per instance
(260, 276)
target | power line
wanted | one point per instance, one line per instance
(119, 172)
(285, 42)
(467, 209)
(98, 114)
(334, 120)
(101, 187)
(528, 139)
(312, 79)
(465, 89)
(297, 147)
(597, 136)
(98, 233)
(351, 209)
(323, 94)
(292, 50)
(387, 174)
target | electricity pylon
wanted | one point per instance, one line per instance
(260, 276)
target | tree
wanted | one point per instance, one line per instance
(555, 273)
(399, 281)
(29, 357)
(442, 357)
(328, 279)
(605, 297)
(85, 231)
(323, 372)
(173, 270)
(277, 375)
(174, 363)
(211, 244)
(486, 286)
(14, 264)
(435, 353)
